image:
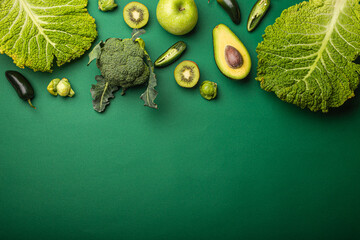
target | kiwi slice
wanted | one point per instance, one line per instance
(187, 74)
(136, 15)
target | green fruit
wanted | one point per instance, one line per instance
(136, 15)
(208, 90)
(171, 55)
(187, 74)
(231, 56)
(178, 17)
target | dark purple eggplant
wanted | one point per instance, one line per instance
(21, 85)
(232, 8)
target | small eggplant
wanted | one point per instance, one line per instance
(21, 85)
(257, 13)
(232, 8)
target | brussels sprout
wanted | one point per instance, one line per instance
(107, 5)
(52, 86)
(208, 90)
(61, 87)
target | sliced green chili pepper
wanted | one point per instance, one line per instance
(257, 13)
(171, 55)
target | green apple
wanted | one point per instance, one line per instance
(178, 17)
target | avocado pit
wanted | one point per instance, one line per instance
(233, 57)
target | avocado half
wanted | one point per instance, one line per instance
(231, 56)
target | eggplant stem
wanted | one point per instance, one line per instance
(29, 101)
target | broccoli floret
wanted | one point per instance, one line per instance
(121, 63)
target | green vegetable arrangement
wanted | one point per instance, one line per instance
(307, 57)
(34, 33)
(123, 63)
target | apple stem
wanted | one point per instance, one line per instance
(182, 9)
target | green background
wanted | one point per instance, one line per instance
(244, 166)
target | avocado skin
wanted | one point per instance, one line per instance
(222, 37)
(232, 8)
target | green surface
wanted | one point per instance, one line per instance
(243, 166)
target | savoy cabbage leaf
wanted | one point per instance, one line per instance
(34, 32)
(307, 56)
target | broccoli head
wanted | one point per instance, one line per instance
(121, 62)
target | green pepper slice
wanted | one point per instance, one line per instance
(257, 13)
